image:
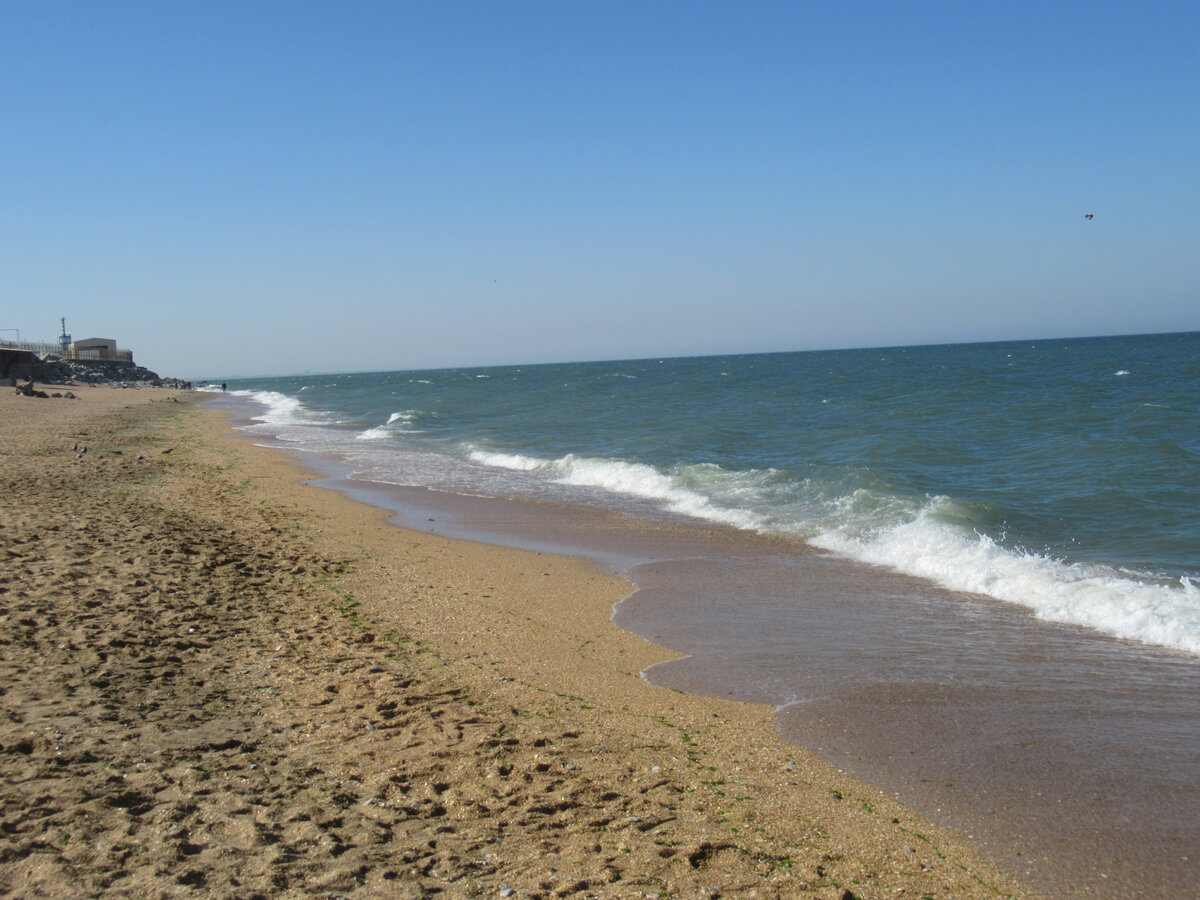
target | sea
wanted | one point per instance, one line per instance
(967, 573)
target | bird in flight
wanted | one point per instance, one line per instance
(1089, 215)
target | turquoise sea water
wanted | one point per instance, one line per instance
(1059, 475)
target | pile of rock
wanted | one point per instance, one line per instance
(56, 370)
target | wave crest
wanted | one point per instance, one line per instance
(936, 538)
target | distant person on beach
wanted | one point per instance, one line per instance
(222, 385)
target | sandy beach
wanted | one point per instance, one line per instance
(220, 681)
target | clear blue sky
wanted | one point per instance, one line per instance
(270, 187)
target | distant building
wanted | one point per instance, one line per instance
(99, 348)
(89, 349)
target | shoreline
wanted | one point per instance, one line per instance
(385, 712)
(962, 707)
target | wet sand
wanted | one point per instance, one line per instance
(218, 681)
(1070, 758)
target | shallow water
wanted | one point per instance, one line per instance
(1072, 758)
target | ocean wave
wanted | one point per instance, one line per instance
(1128, 605)
(512, 461)
(398, 422)
(939, 539)
(278, 409)
(630, 479)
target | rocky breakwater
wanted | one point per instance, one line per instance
(56, 370)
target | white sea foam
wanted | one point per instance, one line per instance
(397, 422)
(1122, 372)
(1098, 597)
(510, 461)
(637, 480)
(278, 409)
(931, 540)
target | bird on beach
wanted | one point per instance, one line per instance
(1089, 215)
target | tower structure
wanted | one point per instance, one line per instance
(64, 339)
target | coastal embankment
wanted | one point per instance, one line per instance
(220, 680)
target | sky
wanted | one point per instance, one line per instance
(261, 187)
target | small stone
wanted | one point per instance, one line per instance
(507, 892)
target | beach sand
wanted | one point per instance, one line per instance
(217, 680)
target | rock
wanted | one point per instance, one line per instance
(54, 369)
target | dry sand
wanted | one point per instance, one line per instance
(219, 681)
